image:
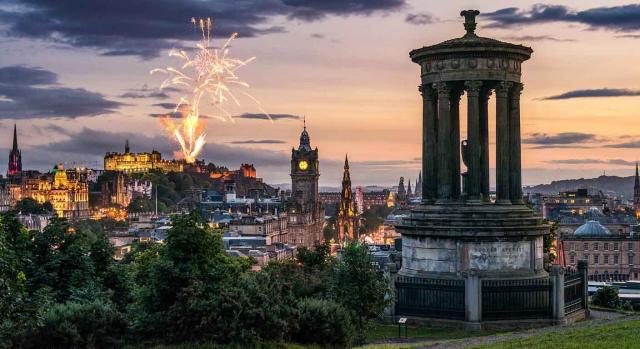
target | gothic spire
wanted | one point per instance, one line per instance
(126, 147)
(305, 141)
(346, 176)
(15, 138)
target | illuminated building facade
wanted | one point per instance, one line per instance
(305, 212)
(140, 162)
(66, 190)
(15, 157)
(347, 212)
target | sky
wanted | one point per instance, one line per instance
(74, 77)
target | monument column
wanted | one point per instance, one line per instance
(473, 139)
(445, 152)
(454, 100)
(485, 93)
(429, 144)
(515, 166)
(502, 143)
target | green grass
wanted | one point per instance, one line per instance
(623, 335)
(381, 333)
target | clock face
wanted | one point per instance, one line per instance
(303, 165)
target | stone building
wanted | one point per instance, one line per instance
(636, 192)
(140, 162)
(304, 210)
(66, 190)
(611, 256)
(347, 215)
(570, 203)
(465, 257)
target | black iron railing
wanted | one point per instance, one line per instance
(434, 298)
(574, 295)
(516, 299)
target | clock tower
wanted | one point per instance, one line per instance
(305, 173)
(305, 213)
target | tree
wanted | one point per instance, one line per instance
(324, 322)
(360, 286)
(606, 296)
(31, 206)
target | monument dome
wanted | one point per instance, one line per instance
(592, 228)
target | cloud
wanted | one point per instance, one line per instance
(563, 138)
(600, 92)
(259, 141)
(419, 18)
(631, 144)
(312, 10)
(144, 28)
(33, 93)
(165, 105)
(386, 162)
(317, 36)
(262, 116)
(616, 18)
(530, 38)
(592, 161)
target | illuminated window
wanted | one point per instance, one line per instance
(587, 201)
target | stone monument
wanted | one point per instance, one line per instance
(459, 239)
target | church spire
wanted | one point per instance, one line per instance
(15, 158)
(15, 138)
(126, 147)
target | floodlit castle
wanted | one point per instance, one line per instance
(140, 162)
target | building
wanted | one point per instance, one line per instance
(611, 256)
(140, 162)
(571, 203)
(347, 215)
(15, 157)
(418, 190)
(359, 200)
(401, 195)
(304, 209)
(376, 198)
(271, 227)
(66, 190)
(120, 189)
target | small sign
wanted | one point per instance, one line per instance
(402, 320)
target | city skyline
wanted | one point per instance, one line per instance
(347, 70)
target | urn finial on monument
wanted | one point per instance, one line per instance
(470, 21)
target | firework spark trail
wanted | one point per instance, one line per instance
(210, 73)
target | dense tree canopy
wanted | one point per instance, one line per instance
(61, 288)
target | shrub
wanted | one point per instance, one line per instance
(86, 324)
(323, 322)
(626, 306)
(606, 296)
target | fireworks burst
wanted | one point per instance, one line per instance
(210, 74)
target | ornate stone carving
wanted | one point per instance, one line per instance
(502, 89)
(473, 87)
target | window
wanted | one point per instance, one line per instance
(596, 259)
(606, 246)
(615, 246)
(585, 246)
(606, 259)
(572, 246)
(572, 259)
(615, 259)
(630, 246)
(595, 246)
(586, 257)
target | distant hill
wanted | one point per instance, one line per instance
(621, 186)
